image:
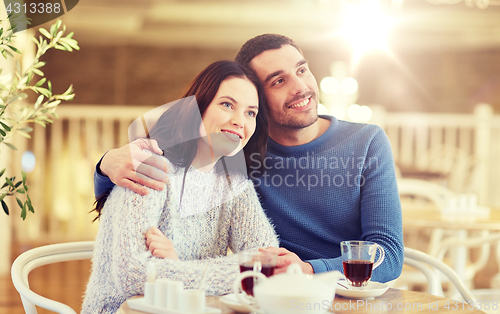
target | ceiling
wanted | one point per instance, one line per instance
(310, 22)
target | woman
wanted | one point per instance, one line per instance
(208, 207)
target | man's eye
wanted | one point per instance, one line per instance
(278, 81)
(303, 70)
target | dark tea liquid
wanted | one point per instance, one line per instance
(357, 272)
(247, 283)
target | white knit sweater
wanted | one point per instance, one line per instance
(210, 221)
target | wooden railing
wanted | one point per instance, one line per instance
(464, 147)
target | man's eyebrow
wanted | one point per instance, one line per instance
(270, 76)
(301, 62)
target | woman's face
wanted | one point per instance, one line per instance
(230, 119)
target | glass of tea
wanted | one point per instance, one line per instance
(358, 258)
(263, 262)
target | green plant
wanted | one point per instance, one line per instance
(16, 113)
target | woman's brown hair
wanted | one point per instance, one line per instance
(177, 129)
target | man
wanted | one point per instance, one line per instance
(322, 181)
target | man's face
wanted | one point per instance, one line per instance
(291, 89)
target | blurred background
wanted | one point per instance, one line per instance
(428, 72)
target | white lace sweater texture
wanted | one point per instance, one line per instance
(211, 219)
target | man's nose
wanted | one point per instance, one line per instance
(298, 85)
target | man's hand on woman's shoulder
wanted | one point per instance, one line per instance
(133, 168)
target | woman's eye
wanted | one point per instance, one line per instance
(226, 104)
(252, 114)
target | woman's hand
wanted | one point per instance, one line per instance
(159, 244)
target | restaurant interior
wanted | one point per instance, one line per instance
(426, 71)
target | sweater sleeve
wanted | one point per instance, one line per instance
(102, 183)
(250, 227)
(380, 209)
(131, 215)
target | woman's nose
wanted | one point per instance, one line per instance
(237, 120)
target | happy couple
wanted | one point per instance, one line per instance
(270, 99)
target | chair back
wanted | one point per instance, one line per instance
(40, 256)
(423, 261)
(431, 191)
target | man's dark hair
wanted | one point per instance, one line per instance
(257, 45)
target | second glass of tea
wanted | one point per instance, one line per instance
(263, 262)
(358, 258)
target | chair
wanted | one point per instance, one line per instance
(424, 262)
(430, 192)
(441, 198)
(40, 256)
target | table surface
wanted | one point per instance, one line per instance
(432, 218)
(393, 300)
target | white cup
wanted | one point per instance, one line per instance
(149, 293)
(174, 289)
(192, 301)
(161, 286)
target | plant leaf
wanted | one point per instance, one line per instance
(14, 48)
(5, 207)
(19, 203)
(40, 82)
(5, 126)
(30, 207)
(9, 182)
(44, 32)
(23, 134)
(23, 211)
(2, 172)
(10, 146)
(24, 176)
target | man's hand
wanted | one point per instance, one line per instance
(285, 258)
(130, 166)
(159, 244)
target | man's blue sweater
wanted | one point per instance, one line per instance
(341, 186)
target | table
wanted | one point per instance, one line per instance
(420, 218)
(432, 218)
(394, 300)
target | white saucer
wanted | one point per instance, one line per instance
(139, 304)
(232, 302)
(373, 289)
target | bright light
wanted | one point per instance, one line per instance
(349, 85)
(366, 27)
(365, 113)
(359, 113)
(322, 109)
(28, 161)
(338, 112)
(330, 85)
